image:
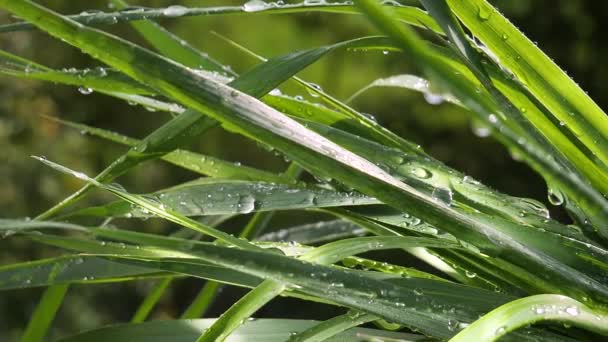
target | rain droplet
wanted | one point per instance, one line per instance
(421, 172)
(501, 330)
(470, 274)
(573, 310)
(255, 5)
(443, 195)
(555, 197)
(85, 90)
(175, 11)
(483, 13)
(453, 324)
(433, 99)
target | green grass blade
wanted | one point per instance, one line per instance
(144, 309)
(297, 61)
(314, 233)
(211, 196)
(239, 312)
(539, 73)
(70, 269)
(324, 331)
(156, 208)
(412, 15)
(170, 45)
(411, 82)
(530, 310)
(202, 301)
(439, 72)
(537, 129)
(260, 330)
(44, 314)
(173, 134)
(195, 162)
(248, 116)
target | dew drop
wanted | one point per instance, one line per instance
(255, 6)
(555, 197)
(453, 325)
(470, 274)
(442, 195)
(573, 310)
(85, 90)
(421, 172)
(175, 11)
(483, 13)
(501, 330)
(433, 99)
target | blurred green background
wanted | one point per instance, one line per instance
(571, 32)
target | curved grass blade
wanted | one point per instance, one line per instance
(172, 46)
(244, 114)
(412, 15)
(396, 298)
(530, 310)
(297, 61)
(256, 224)
(260, 330)
(100, 79)
(180, 130)
(411, 82)
(210, 196)
(156, 208)
(331, 327)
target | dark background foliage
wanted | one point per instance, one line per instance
(571, 32)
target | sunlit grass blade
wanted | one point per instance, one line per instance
(439, 72)
(400, 301)
(170, 45)
(539, 73)
(535, 125)
(156, 208)
(326, 330)
(250, 117)
(420, 286)
(530, 310)
(260, 330)
(99, 78)
(411, 82)
(313, 233)
(412, 15)
(296, 61)
(211, 196)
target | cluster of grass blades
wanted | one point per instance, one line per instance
(503, 264)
